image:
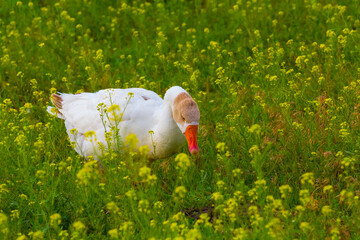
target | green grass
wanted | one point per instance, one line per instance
(277, 84)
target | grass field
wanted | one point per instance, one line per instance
(277, 84)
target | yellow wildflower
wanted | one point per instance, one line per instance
(113, 233)
(307, 178)
(132, 141)
(254, 150)
(89, 134)
(255, 129)
(144, 206)
(144, 172)
(305, 227)
(144, 150)
(236, 172)
(22, 237)
(37, 235)
(183, 161)
(285, 190)
(326, 210)
(328, 188)
(3, 188)
(88, 173)
(127, 226)
(3, 223)
(193, 234)
(217, 196)
(220, 147)
(63, 235)
(55, 219)
(113, 207)
(79, 226)
(304, 196)
(274, 227)
(113, 108)
(220, 184)
(180, 192)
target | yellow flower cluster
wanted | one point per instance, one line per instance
(179, 193)
(182, 162)
(88, 173)
(55, 219)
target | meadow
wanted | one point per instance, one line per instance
(277, 84)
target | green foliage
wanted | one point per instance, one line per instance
(277, 84)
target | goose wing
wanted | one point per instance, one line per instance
(83, 111)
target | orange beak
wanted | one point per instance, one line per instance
(191, 137)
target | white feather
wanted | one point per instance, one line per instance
(144, 112)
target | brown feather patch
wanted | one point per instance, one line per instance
(145, 98)
(185, 108)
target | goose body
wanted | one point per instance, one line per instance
(161, 124)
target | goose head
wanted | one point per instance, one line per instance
(186, 115)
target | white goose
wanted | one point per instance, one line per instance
(161, 124)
